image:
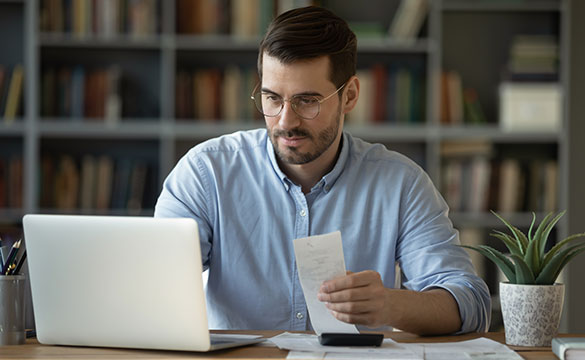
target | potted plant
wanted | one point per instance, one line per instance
(531, 300)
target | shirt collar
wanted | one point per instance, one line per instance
(328, 180)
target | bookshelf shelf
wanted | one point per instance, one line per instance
(14, 127)
(94, 128)
(495, 134)
(67, 40)
(417, 133)
(216, 43)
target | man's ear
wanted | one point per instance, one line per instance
(351, 94)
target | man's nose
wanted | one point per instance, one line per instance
(289, 119)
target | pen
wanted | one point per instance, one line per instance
(20, 262)
(11, 257)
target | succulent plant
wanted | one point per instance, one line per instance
(528, 262)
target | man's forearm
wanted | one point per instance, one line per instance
(431, 312)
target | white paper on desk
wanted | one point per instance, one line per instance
(309, 344)
(320, 258)
(481, 348)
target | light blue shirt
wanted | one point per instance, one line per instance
(249, 213)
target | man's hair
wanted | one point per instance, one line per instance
(310, 32)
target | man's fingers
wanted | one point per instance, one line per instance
(355, 294)
(353, 307)
(352, 280)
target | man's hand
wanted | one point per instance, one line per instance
(361, 299)
(357, 298)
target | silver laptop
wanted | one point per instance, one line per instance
(132, 282)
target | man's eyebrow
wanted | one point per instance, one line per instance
(304, 93)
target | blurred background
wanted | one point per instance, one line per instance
(100, 98)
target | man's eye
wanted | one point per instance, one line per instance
(272, 98)
(306, 100)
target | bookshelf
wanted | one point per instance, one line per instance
(149, 51)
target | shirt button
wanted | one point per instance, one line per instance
(303, 212)
(300, 316)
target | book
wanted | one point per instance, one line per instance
(455, 98)
(88, 182)
(511, 186)
(105, 178)
(466, 148)
(137, 186)
(230, 89)
(452, 184)
(479, 192)
(408, 20)
(569, 348)
(550, 186)
(66, 184)
(14, 93)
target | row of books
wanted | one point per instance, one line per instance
(241, 18)
(394, 94)
(478, 184)
(95, 183)
(459, 104)
(211, 94)
(79, 92)
(105, 18)
(11, 89)
(533, 58)
(11, 181)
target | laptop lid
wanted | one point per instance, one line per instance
(111, 281)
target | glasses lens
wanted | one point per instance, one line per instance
(306, 106)
(268, 104)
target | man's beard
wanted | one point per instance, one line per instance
(294, 157)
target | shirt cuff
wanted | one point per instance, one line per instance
(474, 310)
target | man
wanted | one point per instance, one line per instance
(253, 192)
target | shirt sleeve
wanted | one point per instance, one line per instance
(430, 258)
(186, 194)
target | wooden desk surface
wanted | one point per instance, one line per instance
(33, 350)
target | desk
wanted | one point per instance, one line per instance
(33, 350)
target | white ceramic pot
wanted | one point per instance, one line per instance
(531, 313)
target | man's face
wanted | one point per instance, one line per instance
(297, 140)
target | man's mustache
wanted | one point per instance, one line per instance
(291, 133)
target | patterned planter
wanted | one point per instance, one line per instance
(531, 313)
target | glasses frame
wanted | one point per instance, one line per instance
(319, 102)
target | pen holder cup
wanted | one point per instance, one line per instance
(12, 309)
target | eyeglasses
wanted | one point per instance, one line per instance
(305, 106)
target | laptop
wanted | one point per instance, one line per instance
(114, 281)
